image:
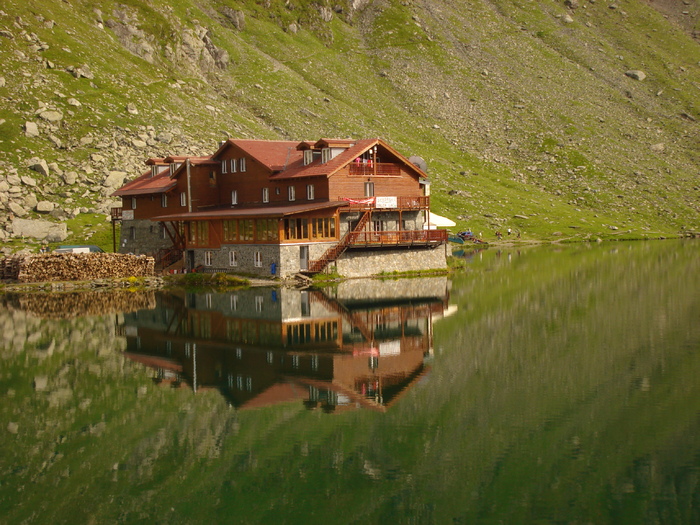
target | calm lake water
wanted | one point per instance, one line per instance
(546, 385)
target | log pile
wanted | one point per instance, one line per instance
(80, 304)
(75, 266)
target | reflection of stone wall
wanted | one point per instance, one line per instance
(363, 263)
(396, 289)
(79, 304)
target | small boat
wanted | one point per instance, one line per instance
(455, 239)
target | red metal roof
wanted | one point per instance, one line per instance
(146, 184)
(274, 154)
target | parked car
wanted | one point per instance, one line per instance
(78, 248)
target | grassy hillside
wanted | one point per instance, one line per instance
(523, 110)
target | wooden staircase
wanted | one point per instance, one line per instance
(336, 251)
(167, 257)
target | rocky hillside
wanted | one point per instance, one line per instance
(571, 119)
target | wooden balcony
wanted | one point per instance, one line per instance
(379, 203)
(368, 239)
(116, 214)
(374, 169)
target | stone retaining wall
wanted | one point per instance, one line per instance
(365, 263)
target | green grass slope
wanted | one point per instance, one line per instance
(522, 109)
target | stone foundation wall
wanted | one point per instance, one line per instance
(245, 258)
(146, 239)
(364, 263)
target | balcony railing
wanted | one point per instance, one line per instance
(374, 169)
(387, 203)
(398, 238)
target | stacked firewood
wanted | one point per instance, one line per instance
(79, 304)
(76, 267)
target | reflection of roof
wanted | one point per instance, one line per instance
(252, 212)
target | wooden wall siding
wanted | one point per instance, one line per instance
(343, 184)
(147, 206)
(248, 183)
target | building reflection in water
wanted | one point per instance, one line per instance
(265, 346)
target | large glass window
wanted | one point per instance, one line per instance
(245, 229)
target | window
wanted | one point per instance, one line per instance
(199, 233)
(308, 157)
(369, 189)
(132, 233)
(133, 203)
(310, 192)
(224, 166)
(232, 258)
(154, 170)
(241, 164)
(183, 199)
(212, 179)
(230, 229)
(163, 231)
(292, 192)
(245, 229)
(326, 155)
(207, 258)
(234, 166)
(266, 194)
(234, 197)
(266, 230)
(258, 259)
(164, 200)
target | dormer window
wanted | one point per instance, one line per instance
(154, 170)
(326, 155)
(172, 168)
(308, 157)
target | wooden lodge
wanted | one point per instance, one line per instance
(281, 208)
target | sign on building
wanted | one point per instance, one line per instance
(386, 202)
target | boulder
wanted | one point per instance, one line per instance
(51, 115)
(16, 209)
(114, 179)
(28, 181)
(636, 74)
(44, 206)
(31, 129)
(38, 229)
(39, 165)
